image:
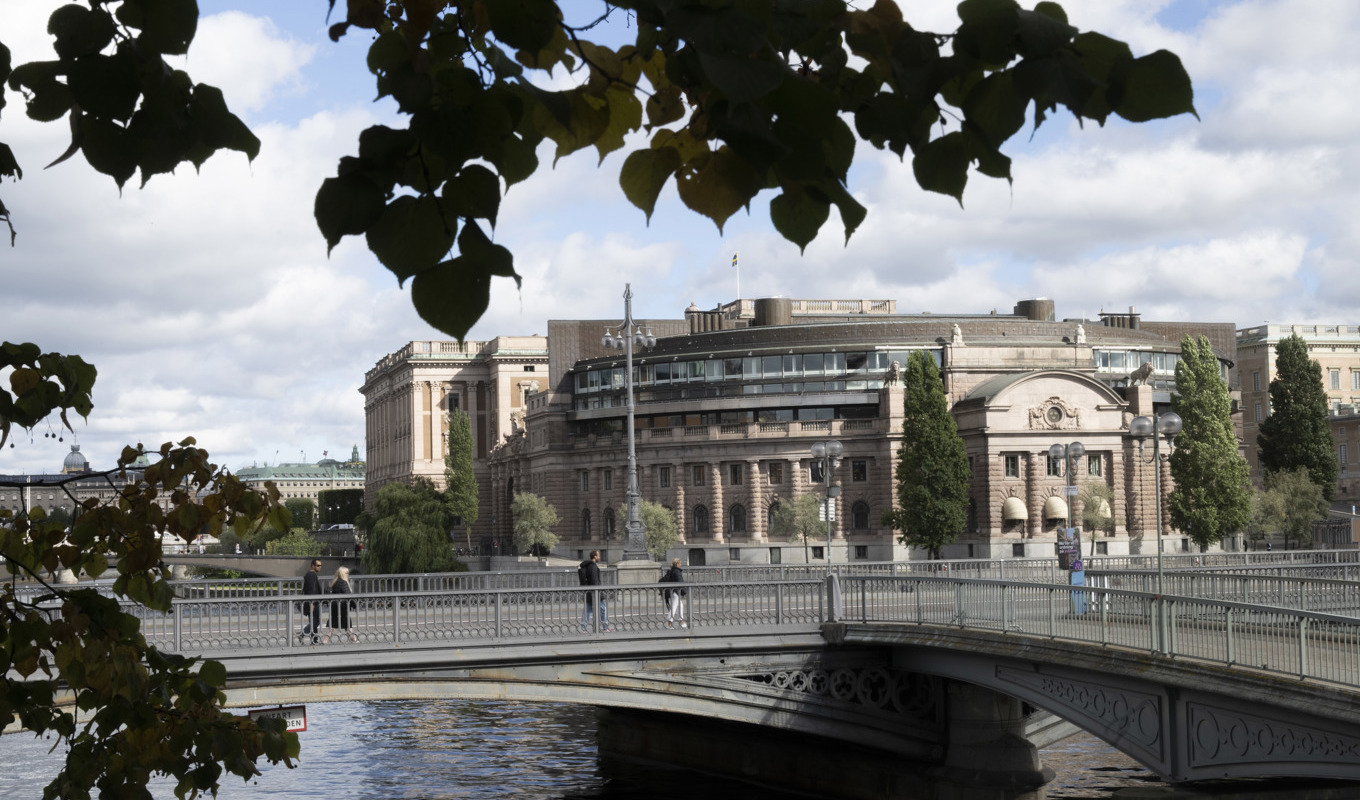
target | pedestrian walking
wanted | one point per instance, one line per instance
(589, 575)
(311, 584)
(340, 608)
(675, 598)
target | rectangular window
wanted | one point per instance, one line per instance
(1355, 379)
(734, 473)
(776, 472)
(1093, 465)
(697, 478)
(861, 551)
(1341, 455)
(585, 481)
(1257, 412)
(663, 477)
(817, 553)
(1256, 381)
(1336, 379)
(1012, 466)
(1018, 550)
(1054, 467)
(859, 470)
(608, 479)
(815, 470)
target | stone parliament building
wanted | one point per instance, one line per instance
(729, 402)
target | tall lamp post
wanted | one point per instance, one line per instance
(829, 454)
(1069, 454)
(1155, 427)
(627, 336)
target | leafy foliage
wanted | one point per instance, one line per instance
(303, 511)
(296, 542)
(1212, 497)
(409, 532)
(662, 532)
(734, 98)
(1097, 507)
(800, 519)
(137, 713)
(1289, 505)
(460, 489)
(1296, 434)
(932, 464)
(339, 506)
(534, 518)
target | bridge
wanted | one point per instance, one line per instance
(940, 674)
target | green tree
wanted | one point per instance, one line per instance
(410, 531)
(1289, 505)
(303, 511)
(932, 464)
(734, 98)
(461, 488)
(1296, 434)
(139, 713)
(1212, 497)
(339, 506)
(1097, 499)
(296, 543)
(662, 532)
(534, 518)
(800, 519)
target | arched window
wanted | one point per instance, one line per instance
(701, 519)
(585, 524)
(737, 519)
(608, 524)
(771, 514)
(859, 516)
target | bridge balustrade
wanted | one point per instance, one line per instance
(1327, 594)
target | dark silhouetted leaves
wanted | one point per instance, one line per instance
(644, 174)
(412, 235)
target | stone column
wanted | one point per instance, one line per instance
(755, 515)
(1034, 501)
(717, 517)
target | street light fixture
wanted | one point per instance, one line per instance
(1068, 454)
(627, 336)
(1155, 427)
(829, 454)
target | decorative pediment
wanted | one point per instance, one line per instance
(1054, 414)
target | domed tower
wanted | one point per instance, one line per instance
(75, 463)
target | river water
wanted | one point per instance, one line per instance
(458, 750)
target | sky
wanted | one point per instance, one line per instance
(210, 306)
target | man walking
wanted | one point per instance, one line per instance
(589, 575)
(311, 584)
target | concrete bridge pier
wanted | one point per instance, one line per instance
(822, 767)
(986, 740)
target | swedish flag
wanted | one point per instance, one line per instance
(734, 259)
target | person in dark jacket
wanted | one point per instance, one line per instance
(589, 572)
(311, 584)
(675, 598)
(340, 608)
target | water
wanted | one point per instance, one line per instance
(462, 750)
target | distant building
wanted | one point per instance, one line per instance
(1336, 348)
(730, 401)
(1345, 425)
(74, 484)
(307, 480)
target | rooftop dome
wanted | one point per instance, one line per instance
(75, 462)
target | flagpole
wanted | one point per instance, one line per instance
(737, 267)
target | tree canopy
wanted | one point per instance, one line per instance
(534, 518)
(726, 99)
(303, 511)
(1289, 505)
(800, 519)
(1212, 497)
(460, 488)
(662, 532)
(410, 530)
(1296, 434)
(932, 464)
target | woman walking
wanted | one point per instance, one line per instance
(340, 609)
(675, 602)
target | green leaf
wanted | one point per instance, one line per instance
(645, 173)
(665, 106)
(1042, 34)
(213, 673)
(851, 211)
(108, 148)
(717, 185)
(797, 215)
(743, 80)
(625, 116)
(523, 24)
(217, 126)
(80, 31)
(942, 165)
(347, 205)
(996, 108)
(167, 26)
(106, 86)
(453, 295)
(988, 31)
(412, 235)
(474, 192)
(1153, 87)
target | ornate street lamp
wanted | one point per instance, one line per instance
(1155, 427)
(829, 454)
(1069, 454)
(625, 337)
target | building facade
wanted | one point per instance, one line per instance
(75, 483)
(1336, 348)
(307, 481)
(730, 401)
(409, 394)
